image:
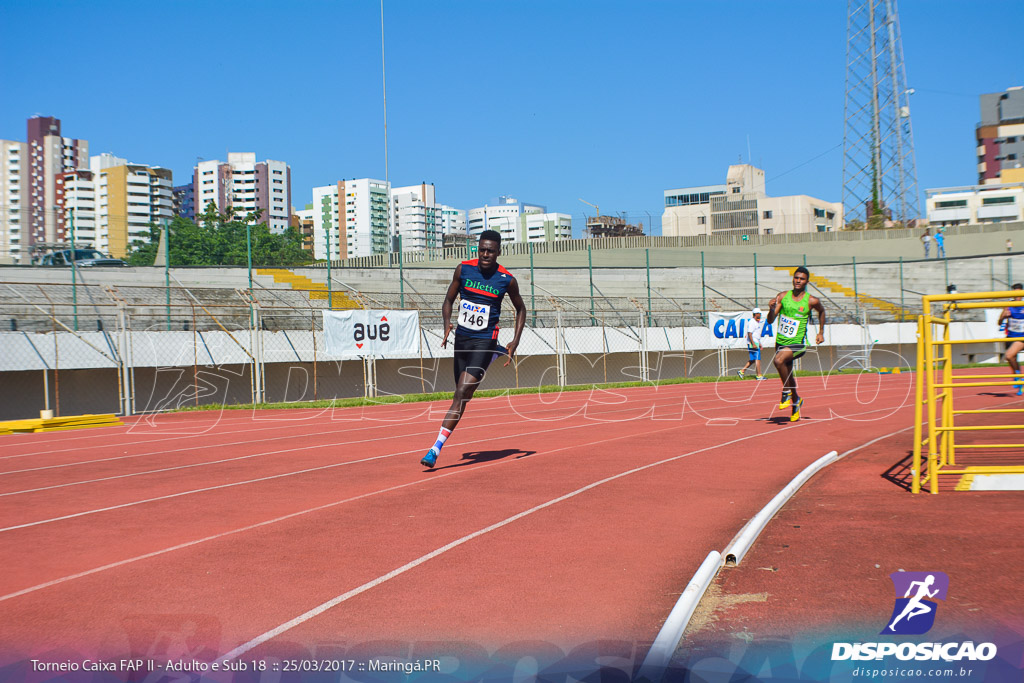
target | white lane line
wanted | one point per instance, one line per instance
(238, 443)
(318, 508)
(323, 607)
(300, 513)
(389, 437)
(585, 395)
(257, 480)
(482, 411)
(306, 448)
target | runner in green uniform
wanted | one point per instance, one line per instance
(792, 309)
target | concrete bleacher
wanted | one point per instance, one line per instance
(287, 296)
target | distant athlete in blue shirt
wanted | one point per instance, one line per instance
(481, 285)
(1014, 317)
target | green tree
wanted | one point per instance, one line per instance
(217, 239)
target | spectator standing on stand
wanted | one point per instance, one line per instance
(927, 239)
(940, 244)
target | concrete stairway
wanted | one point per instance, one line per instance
(317, 290)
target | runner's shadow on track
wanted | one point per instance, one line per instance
(781, 420)
(992, 393)
(900, 473)
(476, 457)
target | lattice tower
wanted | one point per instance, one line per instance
(879, 168)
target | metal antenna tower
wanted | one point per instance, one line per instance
(879, 168)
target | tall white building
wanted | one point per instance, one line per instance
(545, 227)
(246, 185)
(13, 185)
(76, 199)
(415, 217)
(452, 221)
(742, 207)
(505, 215)
(354, 216)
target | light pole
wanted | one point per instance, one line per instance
(327, 239)
(74, 267)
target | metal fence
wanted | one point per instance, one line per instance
(140, 349)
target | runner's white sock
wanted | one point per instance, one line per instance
(442, 436)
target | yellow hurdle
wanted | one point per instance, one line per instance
(937, 438)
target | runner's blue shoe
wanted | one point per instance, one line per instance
(430, 458)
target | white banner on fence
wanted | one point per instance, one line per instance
(384, 334)
(729, 330)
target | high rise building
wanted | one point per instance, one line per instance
(184, 201)
(453, 221)
(353, 215)
(76, 204)
(246, 185)
(13, 191)
(1000, 137)
(414, 216)
(49, 155)
(302, 221)
(129, 197)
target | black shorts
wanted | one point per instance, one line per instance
(473, 355)
(1010, 341)
(797, 349)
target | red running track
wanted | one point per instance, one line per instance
(561, 519)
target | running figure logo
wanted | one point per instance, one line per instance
(914, 612)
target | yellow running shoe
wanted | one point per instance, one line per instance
(796, 410)
(787, 401)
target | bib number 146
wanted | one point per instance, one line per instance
(474, 316)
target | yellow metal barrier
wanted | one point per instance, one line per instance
(936, 444)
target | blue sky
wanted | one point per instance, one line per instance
(547, 101)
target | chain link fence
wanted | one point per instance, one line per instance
(138, 348)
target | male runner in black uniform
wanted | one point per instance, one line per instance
(481, 285)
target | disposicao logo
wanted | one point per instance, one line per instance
(914, 614)
(916, 593)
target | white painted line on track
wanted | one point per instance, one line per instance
(659, 656)
(292, 515)
(369, 494)
(684, 404)
(323, 607)
(479, 412)
(253, 481)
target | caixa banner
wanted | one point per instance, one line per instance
(383, 334)
(730, 329)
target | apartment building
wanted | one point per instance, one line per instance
(13, 193)
(414, 214)
(1000, 136)
(452, 221)
(184, 201)
(76, 204)
(988, 203)
(246, 185)
(128, 198)
(504, 214)
(741, 206)
(302, 221)
(351, 218)
(49, 155)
